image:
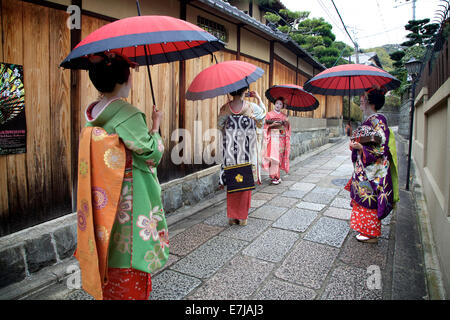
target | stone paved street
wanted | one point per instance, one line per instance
(297, 245)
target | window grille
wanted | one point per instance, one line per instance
(214, 28)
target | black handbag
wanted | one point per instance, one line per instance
(239, 178)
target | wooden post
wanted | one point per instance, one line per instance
(182, 75)
(75, 105)
(271, 57)
(271, 63)
(238, 40)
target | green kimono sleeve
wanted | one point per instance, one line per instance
(394, 165)
(147, 148)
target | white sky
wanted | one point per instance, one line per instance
(371, 23)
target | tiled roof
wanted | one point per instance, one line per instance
(283, 38)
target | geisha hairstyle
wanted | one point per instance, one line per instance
(375, 96)
(281, 99)
(107, 70)
(238, 92)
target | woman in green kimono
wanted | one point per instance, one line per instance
(136, 240)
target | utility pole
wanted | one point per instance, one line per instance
(413, 7)
(355, 42)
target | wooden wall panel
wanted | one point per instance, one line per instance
(88, 93)
(38, 182)
(284, 75)
(17, 191)
(4, 207)
(165, 80)
(202, 115)
(262, 84)
(334, 107)
(60, 113)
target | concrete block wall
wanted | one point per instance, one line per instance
(29, 250)
(403, 125)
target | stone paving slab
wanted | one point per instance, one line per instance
(239, 279)
(209, 257)
(262, 196)
(321, 195)
(343, 203)
(308, 264)
(170, 285)
(350, 283)
(283, 202)
(257, 203)
(363, 255)
(298, 194)
(185, 242)
(249, 232)
(344, 194)
(219, 219)
(275, 289)
(296, 220)
(328, 231)
(302, 186)
(272, 245)
(274, 189)
(338, 213)
(312, 178)
(268, 212)
(310, 206)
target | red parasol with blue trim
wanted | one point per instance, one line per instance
(222, 78)
(351, 80)
(145, 40)
(295, 98)
(165, 39)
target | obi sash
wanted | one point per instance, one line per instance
(100, 175)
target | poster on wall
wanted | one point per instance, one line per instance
(13, 126)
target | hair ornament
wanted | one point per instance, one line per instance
(379, 88)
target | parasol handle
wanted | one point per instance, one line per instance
(147, 63)
(146, 59)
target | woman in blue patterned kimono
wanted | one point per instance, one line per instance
(374, 185)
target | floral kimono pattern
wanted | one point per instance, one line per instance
(371, 184)
(139, 237)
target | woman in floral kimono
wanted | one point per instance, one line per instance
(122, 230)
(238, 203)
(374, 186)
(277, 145)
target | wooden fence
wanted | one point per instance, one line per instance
(436, 71)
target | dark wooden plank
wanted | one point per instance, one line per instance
(36, 75)
(4, 206)
(16, 164)
(60, 115)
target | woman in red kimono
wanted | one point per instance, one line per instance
(277, 136)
